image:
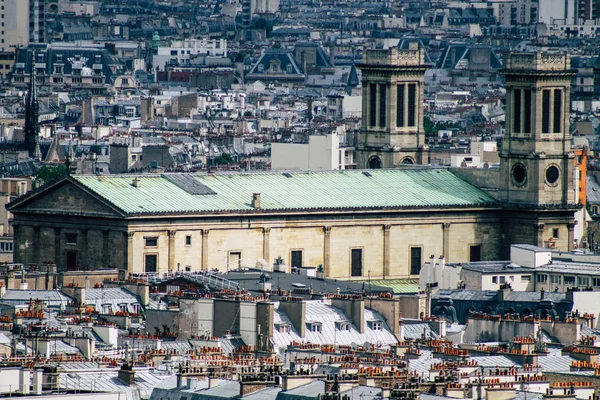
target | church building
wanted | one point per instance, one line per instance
(381, 222)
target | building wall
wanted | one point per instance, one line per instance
(15, 24)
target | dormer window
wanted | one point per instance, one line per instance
(289, 69)
(315, 327)
(344, 325)
(375, 325)
(261, 68)
(283, 328)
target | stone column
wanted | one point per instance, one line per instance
(105, 249)
(130, 266)
(386, 251)
(446, 241)
(125, 255)
(36, 245)
(57, 249)
(84, 259)
(267, 245)
(172, 245)
(17, 253)
(326, 250)
(539, 234)
(570, 235)
(204, 233)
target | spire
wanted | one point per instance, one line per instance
(32, 108)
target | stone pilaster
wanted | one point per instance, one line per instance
(172, 234)
(204, 233)
(83, 257)
(386, 251)
(446, 241)
(570, 235)
(57, 249)
(267, 245)
(130, 266)
(327, 250)
(105, 249)
(36, 244)
(539, 234)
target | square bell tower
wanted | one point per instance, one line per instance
(537, 172)
(536, 160)
(392, 108)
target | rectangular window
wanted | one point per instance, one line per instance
(525, 278)
(583, 281)
(502, 279)
(596, 281)
(235, 259)
(415, 260)
(315, 327)
(569, 280)
(555, 233)
(412, 98)
(475, 253)
(494, 279)
(151, 242)
(556, 279)
(557, 111)
(150, 262)
(545, 111)
(527, 104)
(188, 240)
(382, 105)
(71, 239)
(542, 278)
(517, 110)
(296, 258)
(376, 325)
(372, 104)
(356, 262)
(400, 105)
(71, 260)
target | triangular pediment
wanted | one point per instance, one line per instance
(65, 197)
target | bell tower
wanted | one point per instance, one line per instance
(392, 108)
(537, 178)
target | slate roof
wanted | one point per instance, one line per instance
(62, 54)
(249, 280)
(285, 58)
(52, 298)
(592, 190)
(456, 52)
(393, 189)
(328, 316)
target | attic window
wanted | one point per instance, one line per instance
(367, 173)
(315, 327)
(289, 69)
(288, 175)
(283, 328)
(375, 325)
(261, 68)
(343, 325)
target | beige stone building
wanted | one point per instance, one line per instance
(378, 223)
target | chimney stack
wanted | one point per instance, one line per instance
(256, 200)
(136, 182)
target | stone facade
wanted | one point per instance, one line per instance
(222, 242)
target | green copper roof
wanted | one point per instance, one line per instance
(388, 189)
(398, 286)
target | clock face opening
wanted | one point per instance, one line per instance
(552, 174)
(519, 174)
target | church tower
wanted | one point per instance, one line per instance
(392, 108)
(537, 179)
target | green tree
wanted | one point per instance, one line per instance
(49, 173)
(223, 159)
